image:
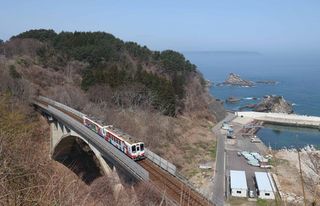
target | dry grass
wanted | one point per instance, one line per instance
(287, 170)
(29, 177)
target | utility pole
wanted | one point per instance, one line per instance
(315, 199)
(302, 185)
(181, 195)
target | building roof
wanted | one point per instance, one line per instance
(238, 179)
(264, 181)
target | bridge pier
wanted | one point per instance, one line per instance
(62, 139)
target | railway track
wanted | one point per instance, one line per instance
(173, 188)
(79, 119)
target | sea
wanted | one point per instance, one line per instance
(298, 81)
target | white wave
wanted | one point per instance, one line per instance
(251, 98)
(248, 98)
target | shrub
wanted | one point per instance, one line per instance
(13, 72)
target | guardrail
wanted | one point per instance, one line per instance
(164, 164)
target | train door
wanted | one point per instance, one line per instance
(107, 137)
(122, 146)
(133, 150)
(125, 149)
(138, 149)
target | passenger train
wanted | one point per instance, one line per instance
(119, 139)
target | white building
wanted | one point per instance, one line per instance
(238, 183)
(265, 184)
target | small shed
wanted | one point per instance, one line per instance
(265, 184)
(238, 183)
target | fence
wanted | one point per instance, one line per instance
(164, 164)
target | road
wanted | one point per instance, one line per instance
(219, 180)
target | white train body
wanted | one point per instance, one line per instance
(119, 139)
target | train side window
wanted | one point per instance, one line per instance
(133, 149)
(141, 147)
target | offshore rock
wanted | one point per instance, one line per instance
(275, 104)
(267, 82)
(232, 100)
(234, 79)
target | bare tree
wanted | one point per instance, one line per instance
(313, 181)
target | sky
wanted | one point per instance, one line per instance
(183, 25)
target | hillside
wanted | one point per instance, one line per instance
(158, 78)
(157, 97)
(29, 177)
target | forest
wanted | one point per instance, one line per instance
(113, 62)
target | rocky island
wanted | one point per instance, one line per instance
(235, 80)
(271, 103)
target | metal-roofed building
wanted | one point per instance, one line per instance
(265, 184)
(238, 183)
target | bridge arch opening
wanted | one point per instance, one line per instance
(77, 155)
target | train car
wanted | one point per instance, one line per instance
(119, 139)
(124, 142)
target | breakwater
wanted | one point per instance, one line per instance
(283, 119)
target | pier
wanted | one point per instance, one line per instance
(283, 119)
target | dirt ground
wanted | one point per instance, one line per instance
(198, 147)
(287, 171)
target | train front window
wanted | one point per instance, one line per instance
(138, 148)
(133, 149)
(141, 147)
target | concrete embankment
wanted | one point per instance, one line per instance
(283, 119)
